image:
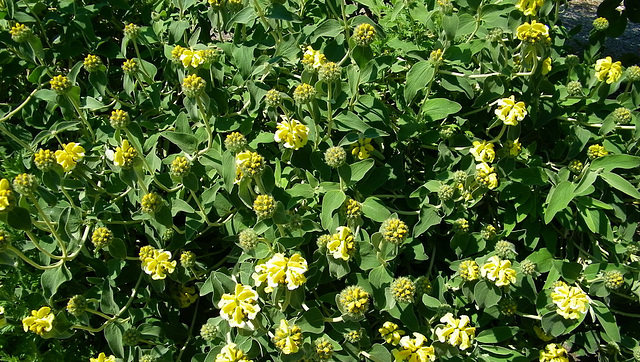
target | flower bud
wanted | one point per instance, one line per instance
(208, 332)
(528, 267)
(130, 66)
(193, 86)
(5, 240)
(304, 93)
(248, 239)
(601, 24)
(364, 34)
(571, 60)
(633, 73)
(335, 157)
(574, 88)
(461, 225)
(235, 142)
(613, 279)
(187, 259)
(322, 241)
(488, 232)
(505, 249)
(102, 237)
(44, 159)
(596, 151)
(403, 290)
(622, 115)
(507, 306)
(131, 31)
(447, 132)
(323, 349)
(353, 301)
(353, 337)
(575, 166)
(495, 35)
(147, 358)
(20, 33)
(353, 209)
(151, 203)
(329, 72)
(216, 5)
(25, 184)
(119, 119)
(445, 192)
(131, 337)
(264, 206)
(273, 98)
(394, 231)
(423, 286)
(460, 177)
(60, 84)
(180, 167)
(77, 305)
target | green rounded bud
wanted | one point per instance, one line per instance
(495, 35)
(77, 305)
(208, 332)
(20, 33)
(44, 159)
(353, 337)
(447, 132)
(147, 358)
(445, 192)
(353, 209)
(322, 241)
(304, 93)
(335, 157)
(119, 119)
(613, 279)
(102, 237)
(636, 353)
(461, 225)
(5, 240)
(323, 349)
(273, 98)
(574, 88)
(443, 309)
(25, 184)
(131, 31)
(180, 167)
(528, 267)
(264, 206)
(403, 290)
(394, 230)
(188, 259)
(167, 235)
(423, 286)
(60, 84)
(248, 239)
(329, 72)
(235, 142)
(571, 60)
(507, 306)
(575, 166)
(622, 115)
(364, 34)
(460, 177)
(130, 337)
(151, 203)
(353, 301)
(601, 24)
(488, 232)
(633, 73)
(505, 249)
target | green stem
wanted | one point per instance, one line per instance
(144, 70)
(83, 118)
(497, 138)
(93, 311)
(8, 134)
(44, 217)
(31, 262)
(197, 201)
(33, 239)
(18, 108)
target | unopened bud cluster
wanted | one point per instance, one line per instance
(248, 239)
(364, 34)
(335, 157)
(25, 184)
(235, 142)
(151, 203)
(102, 237)
(180, 167)
(264, 206)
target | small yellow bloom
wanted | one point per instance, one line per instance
(44, 159)
(158, 265)
(40, 321)
(281, 270)
(469, 270)
(534, 32)
(499, 271)
(231, 353)
(486, 175)
(546, 66)
(7, 199)
(510, 112)
(60, 84)
(292, 134)
(572, 302)
(185, 296)
(103, 358)
(3, 319)
(364, 34)
(394, 230)
(342, 244)
(456, 332)
(529, 7)
(92, 63)
(483, 151)
(240, 308)
(391, 333)
(193, 86)
(20, 33)
(313, 58)
(192, 58)
(130, 66)
(69, 156)
(250, 163)
(288, 337)
(353, 301)
(596, 151)
(607, 70)
(414, 349)
(553, 353)
(513, 147)
(176, 52)
(125, 155)
(361, 148)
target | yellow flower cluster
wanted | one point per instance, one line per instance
(391, 333)
(69, 156)
(353, 209)
(394, 230)
(119, 119)
(39, 322)
(288, 337)
(469, 270)
(313, 58)
(571, 302)
(151, 203)
(130, 66)
(156, 262)
(185, 295)
(101, 237)
(180, 166)
(353, 301)
(239, 308)
(91, 63)
(131, 31)
(7, 199)
(125, 155)
(231, 353)
(281, 270)
(20, 33)
(513, 147)
(553, 353)
(533, 33)
(456, 332)
(596, 151)
(342, 243)
(498, 271)
(364, 34)
(264, 206)
(607, 70)
(44, 159)
(103, 358)
(483, 151)
(529, 7)
(510, 112)
(361, 148)
(249, 164)
(304, 93)
(414, 349)
(193, 86)
(292, 134)
(60, 84)
(235, 142)
(192, 58)
(486, 175)
(25, 184)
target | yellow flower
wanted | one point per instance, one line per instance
(250, 163)
(313, 58)
(342, 243)
(546, 66)
(176, 52)
(533, 32)
(69, 156)
(362, 148)
(191, 58)
(231, 353)
(469, 270)
(20, 33)
(193, 86)
(456, 332)
(44, 159)
(391, 333)
(513, 147)
(92, 63)
(486, 175)
(124, 155)
(483, 151)
(499, 271)
(553, 353)
(288, 337)
(130, 66)
(353, 301)
(607, 69)
(596, 151)
(414, 350)
(3, 319)
(7, 199)
(40, 321)
(239, 308)
(103, 358)
(292, 133)
(510, 112)
(281, 270)
(571, 301)
(364, 34)
(60, 84)
(158, 264)
(529, 7)
(185, 296)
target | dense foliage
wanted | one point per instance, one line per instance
(316, 180)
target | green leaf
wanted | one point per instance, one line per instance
(379, 353)
(439, 108)
(428, 217)
(497, 334)
(558, 199)
(107, 304)
(374, 209)
(185, 141)
(19, 218)
(51, 279)
(486, 294)
(117, 248)
(331, 201)
(360, 169)
(611, 162)
(312, 321)
(618, 182)
(606, 319)
(113, 335)
(418, 77)
(330, 28)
